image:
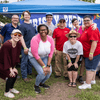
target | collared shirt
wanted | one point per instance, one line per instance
(1, 28)
(51, 27)
(7, 30)
(60, 36)
(86, 39)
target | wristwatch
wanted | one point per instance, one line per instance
(48, 65)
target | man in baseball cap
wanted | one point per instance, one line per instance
(59, 36)
(49, 18)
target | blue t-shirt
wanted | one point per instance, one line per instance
(7, 30)
(28, 32)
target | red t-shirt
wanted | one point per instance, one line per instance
(60, 36)
(86, 37)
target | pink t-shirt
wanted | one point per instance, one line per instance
(39, 48)
(79, 31)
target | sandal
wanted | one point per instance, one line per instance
(74, 84)
(70, 84)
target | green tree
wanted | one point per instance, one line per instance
(5, 1)
(5, 19)
(92, 1)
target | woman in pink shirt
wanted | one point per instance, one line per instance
(40, 55)
(79, 30)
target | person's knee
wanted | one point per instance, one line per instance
(42, 76)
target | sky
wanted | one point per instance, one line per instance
(97, 1)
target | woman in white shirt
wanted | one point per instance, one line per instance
(73, 49)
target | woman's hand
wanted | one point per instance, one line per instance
(90, 56)
(94, 26)
(46, 70)
(20, 37)
(15, 70)
(12, 74)
(69, 65)
(76, 65)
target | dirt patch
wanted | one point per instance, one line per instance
(58, 91)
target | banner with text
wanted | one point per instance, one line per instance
(37, 19)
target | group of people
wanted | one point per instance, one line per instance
(76, 47)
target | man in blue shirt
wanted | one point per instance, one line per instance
(28, 32)
(7, 29)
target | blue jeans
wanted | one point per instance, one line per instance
(26, 66)
(91, 65)
(41, 78)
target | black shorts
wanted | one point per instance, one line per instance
(72, 68)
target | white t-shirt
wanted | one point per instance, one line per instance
(73, 50)
(43, 49)
(51, 27)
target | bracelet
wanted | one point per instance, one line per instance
(25, 48)
(69, 60)
(43, 66)
(48, 65)
(91, 53)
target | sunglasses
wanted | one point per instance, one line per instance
(72, 36)
(15, 34)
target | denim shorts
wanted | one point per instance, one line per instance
(91, 65)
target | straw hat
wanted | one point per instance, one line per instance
(73, 31)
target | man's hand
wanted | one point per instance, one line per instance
(26, 51)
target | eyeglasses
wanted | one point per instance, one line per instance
(86, 20)
(48, 17)
(72, 36)
(15, 34)
(43, 30)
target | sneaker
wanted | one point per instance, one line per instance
(44, 86)
(80, 79)
(14, 91)
(92, 82)
(37, 89)
(85, 86)
(57, 76)
(9, 95)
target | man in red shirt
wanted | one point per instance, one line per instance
(59, 36)
(90, 40)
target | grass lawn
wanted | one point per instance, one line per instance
(27, 89)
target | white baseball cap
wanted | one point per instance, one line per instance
(16, 31)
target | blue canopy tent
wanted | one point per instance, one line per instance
(67, 9)
(54, 6)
